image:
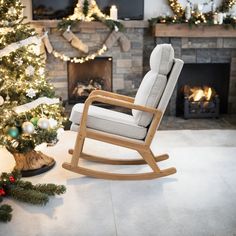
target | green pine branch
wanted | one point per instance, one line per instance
(49, 189)
(29, 196)
(86, 7)
(5, 213)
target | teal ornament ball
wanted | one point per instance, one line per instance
(13, 132)
(34, 121)
(28, 127)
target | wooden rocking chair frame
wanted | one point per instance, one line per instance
(141, 146)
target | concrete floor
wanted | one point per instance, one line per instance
(199, 200)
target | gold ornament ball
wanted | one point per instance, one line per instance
(43, 123)
(28, 127)
(14, 143)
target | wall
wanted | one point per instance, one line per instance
(152, 8)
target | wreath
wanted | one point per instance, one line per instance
(87, 11)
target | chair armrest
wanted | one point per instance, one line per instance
(111, 95)
(120, 103)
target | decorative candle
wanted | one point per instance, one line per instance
(220, 18)
(199, 7)
(215, 18)
(233, 10)
(213, 7)
(188, 11)
(27, 11)
(113, 12)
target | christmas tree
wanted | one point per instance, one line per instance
(29, 113)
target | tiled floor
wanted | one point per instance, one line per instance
(199, 200)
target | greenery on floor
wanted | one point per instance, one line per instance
(11, 185)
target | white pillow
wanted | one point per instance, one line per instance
(149, 94)
(154, 82)
(161, 59)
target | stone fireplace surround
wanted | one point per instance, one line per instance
(203, 44)
(218, 45)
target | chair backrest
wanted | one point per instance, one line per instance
(154, 83)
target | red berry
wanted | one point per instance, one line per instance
(2, 192)
(12, 179)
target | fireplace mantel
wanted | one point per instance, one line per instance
(89, 25)
(201, 31)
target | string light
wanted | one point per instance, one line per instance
(196, 16)
(63, 57)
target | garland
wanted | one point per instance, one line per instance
(14, 46)
(196, 17)
(91, 56)
(88, 10)
(179, 11)
(11, 185)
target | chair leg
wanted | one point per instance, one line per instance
(150, 159)
(78, 149)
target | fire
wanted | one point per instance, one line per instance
(197, 94)
(208, 93)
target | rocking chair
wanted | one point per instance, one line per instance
(134, 131)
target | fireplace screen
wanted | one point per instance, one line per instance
(86, 77)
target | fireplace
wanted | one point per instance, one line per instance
(212, 77)
(85, 77)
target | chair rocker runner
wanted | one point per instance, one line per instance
(134, 131)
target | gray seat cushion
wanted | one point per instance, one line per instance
(109, 121)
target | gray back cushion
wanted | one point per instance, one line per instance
(154, 82)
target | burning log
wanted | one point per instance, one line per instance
(83, 89)
(196, 94)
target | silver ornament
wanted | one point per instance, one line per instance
(1, 100)
(28, 127)
(43, 123)
(52, 123)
